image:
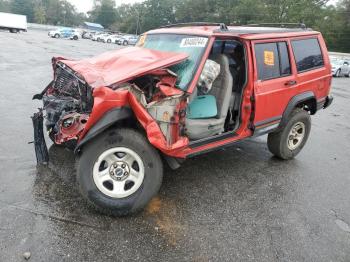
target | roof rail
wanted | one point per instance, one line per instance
(222, 26)
(284, 25)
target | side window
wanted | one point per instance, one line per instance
(307, 53)
(284, 58)
(272, 60)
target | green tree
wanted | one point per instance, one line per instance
(39, 14)
(104, 12)
(4, 6)
(23, 7)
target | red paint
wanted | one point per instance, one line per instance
(271, 97)
(122, 65)
(74, 130)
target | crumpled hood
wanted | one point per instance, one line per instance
(122, 65)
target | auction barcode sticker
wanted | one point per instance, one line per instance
(194, 42)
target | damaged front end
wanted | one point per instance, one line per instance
(88, 96)
(67, 103)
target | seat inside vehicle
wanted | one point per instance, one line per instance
(227, 90)
(221, 90)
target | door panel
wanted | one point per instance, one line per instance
(274, 79)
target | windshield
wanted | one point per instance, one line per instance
(194, 46)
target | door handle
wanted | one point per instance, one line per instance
(290, 83)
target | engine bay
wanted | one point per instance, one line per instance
(68, 103)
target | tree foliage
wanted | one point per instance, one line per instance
(54, 12)
(332, 20)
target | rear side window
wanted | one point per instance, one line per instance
(307, 53)
(272, 60)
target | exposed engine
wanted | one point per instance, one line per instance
(67, 102)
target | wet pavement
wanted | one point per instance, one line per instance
(238, 204)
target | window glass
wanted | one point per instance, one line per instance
(307, 53)
(284, 58)
(194, 46)
(267, 61)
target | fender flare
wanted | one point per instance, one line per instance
(293, 103)
(107, 120)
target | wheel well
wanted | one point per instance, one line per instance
(309, 105)
(130, 122)
(306, 101)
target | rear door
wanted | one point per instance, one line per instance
(274, 80)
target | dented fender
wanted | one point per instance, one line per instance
(110, 118)
(111, 106)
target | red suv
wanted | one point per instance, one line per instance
(184, 90)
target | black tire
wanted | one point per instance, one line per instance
(278, 141)
(125, 43)
(75, 37)
(109, 41)
(337, 74)
(153, 174)
(57, 36)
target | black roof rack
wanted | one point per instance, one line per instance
(283, 25)
(222, 26)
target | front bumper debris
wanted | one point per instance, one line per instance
(42, 155)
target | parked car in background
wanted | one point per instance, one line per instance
(340, 67)
(88, 34)
(96, 36)
(113, 38)
(102, 37)
(69, 33)
(128, 40)
(13, 22)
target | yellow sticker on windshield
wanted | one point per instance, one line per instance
(269, 58)
(142, 40)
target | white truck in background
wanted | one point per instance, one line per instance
(13, 22)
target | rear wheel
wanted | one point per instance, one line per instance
(75, 37)
(291, 138)
(119, 172)
(57, 36)
(125, 43)
(109, 41)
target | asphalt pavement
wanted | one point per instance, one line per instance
(237, 204)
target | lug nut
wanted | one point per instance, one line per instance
(126, 173)
(115, 165)
(123, 165)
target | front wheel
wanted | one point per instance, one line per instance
(291, 138)
(119, 172)
(75, 37)
(57, 36)
(125, 43)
